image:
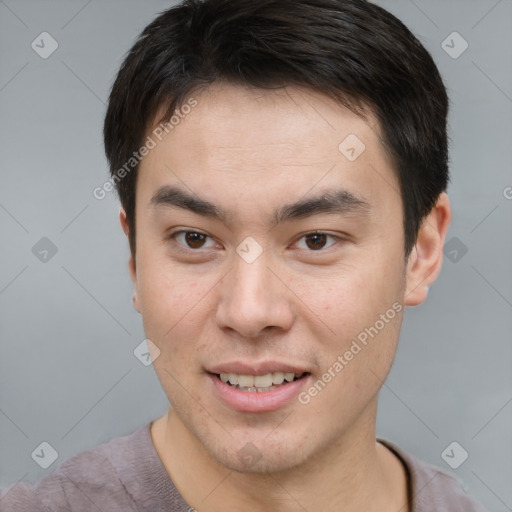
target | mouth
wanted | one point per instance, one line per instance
(257, 393)
(259, 383)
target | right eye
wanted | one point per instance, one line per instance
(189, 240)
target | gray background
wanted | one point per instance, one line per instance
(68, 375)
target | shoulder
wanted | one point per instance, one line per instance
(432, 487)
(87, 481)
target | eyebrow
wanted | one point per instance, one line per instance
(334, 201)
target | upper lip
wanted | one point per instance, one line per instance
(256, 368)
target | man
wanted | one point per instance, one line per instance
(282, 168)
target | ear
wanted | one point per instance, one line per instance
(426, 258)
(131, 262)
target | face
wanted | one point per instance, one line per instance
(251, 285)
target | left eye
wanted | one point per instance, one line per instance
(315, 241)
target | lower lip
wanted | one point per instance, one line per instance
(255, 401)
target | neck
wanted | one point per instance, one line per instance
(356, 473)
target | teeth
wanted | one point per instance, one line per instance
(258, 382)
(246, 381)
(263, 381)
(278, 378)
(265, 389)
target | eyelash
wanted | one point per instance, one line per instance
(174, 235)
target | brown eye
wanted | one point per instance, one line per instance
(194, 240)
(190, 239)
(316, 241)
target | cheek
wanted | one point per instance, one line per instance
(162, 284)
(169, 302)
(352, 298)
(353, 365)
(362, 310)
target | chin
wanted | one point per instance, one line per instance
(267, 463)
(258, 455)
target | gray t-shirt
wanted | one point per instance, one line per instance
(126, 474)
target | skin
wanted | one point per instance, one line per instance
(250, 152)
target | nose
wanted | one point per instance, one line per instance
(253, 297)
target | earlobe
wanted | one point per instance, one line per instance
(135, 298)
(426, 258)
(133, 275)
(131, 262)
(124, 221)
(135, 302)
(126, 228)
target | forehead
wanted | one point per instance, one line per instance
(253, 143)
(234, 117)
